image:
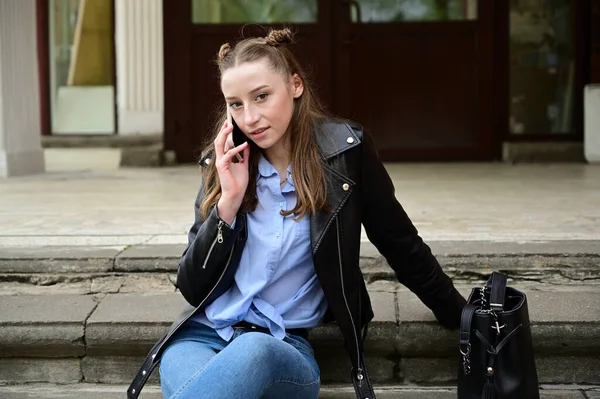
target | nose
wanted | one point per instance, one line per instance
(251, 116)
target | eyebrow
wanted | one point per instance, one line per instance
(251, 91)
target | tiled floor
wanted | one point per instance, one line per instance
(83, 200)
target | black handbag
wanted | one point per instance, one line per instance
(497, 360)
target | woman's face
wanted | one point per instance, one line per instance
(261, 101)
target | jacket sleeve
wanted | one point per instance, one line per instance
(390, 229)
(209, 244)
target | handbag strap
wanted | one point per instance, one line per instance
(465, 336)
(465, 327)
(497, 286)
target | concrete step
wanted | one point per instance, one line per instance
(552, 262)
(103, 338)
(102, 391)
(72, 314)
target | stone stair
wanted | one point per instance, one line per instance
(104, 391)
(78, 321)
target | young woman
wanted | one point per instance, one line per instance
(274, 250)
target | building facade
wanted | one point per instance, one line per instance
(432, 80)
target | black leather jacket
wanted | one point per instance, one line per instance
(359, 191)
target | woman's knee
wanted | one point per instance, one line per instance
(181, 361)
(275, 358)
(258, 347)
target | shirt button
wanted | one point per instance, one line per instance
(281, 204)
(277, 234)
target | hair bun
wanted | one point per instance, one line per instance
(279, 37)
(224, 51)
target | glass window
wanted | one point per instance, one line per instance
(81, 66)
(253, 11)
(381, 11)
(542, 67)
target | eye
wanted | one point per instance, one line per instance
(235, 105)
(261, 96)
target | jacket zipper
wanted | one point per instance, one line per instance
(211, 291)
(359, 374)
(201, 303)
(218, 239)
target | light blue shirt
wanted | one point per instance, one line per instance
(275, 285)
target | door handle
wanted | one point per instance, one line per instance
(356, 5)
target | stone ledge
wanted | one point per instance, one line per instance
(334, 365)
(577, 260)
(57, 259)
(149, 258)
(111, 141)
(328, 391)
(44, 326)
(21, 371)
(563, 323)
(129, 324)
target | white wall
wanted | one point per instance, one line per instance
(139, 64)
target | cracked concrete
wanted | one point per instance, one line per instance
(124, 283)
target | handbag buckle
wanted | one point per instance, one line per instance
(498, 327)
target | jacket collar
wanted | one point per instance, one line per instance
(334, 137)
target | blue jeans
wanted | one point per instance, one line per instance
(198, 363)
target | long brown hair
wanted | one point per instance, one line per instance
(306, 160)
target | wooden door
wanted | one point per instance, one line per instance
(192, 40)
(423, 89)
(594, 42)
(421, 84)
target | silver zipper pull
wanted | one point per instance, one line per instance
(220, 232)
(359, 376)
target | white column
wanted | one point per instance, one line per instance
(591, 130)
(20, 142)
(139, 53)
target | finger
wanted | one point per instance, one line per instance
(228, 113)
(232, 152)
(221, 138)
(229, 142)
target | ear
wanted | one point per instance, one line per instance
(297, 86)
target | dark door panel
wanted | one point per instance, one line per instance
(192, 89)
(425, 99)
(415, 85)
(424, 90)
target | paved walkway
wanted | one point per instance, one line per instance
(78, 204)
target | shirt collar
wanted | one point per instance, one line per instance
(265, 169)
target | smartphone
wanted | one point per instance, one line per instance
(237, 135)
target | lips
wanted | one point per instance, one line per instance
(258, 131)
